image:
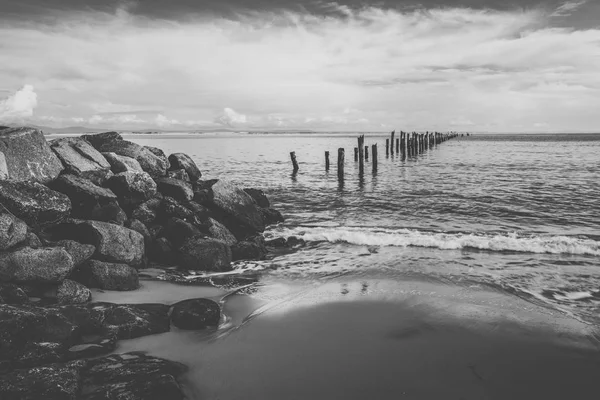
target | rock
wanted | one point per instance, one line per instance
(81, 159)
(122, 163)
(12, 231)
(171, 208)
(86, 197)
(183, 161)
(32, 240)
(179, 174)
(218, 231)
(241, 214)
(27, 156)
(197, 253)
(203, 193)
(160, 154)
(79, 252)
(277, 242)
(271, 216)
(162, 252)
(259, 197)
(140, 228)
(12, 294)
(147, 211)
(71, 292)
(178, 231)
(111, 142)
(34, 203)
(107, 276)
(196, 314)
(35, 266)
(113, 243)
(111, 212)
(179, 190)
(249, 250)
(132, 188)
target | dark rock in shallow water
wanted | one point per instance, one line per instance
(113, 243)
(12, 294)
(198, 253)
(34, 203)
(86, 197)
(259, 197)
(12, 231)
(183, 161)
(27, 265)
(79, 252)
(25, 155)
(277, 242)
(179, 190)
(133, 188)
(80, 158)
(196, 314)
(120, 164)
(108, 276)
(241, 214)
(253, 249)
(271, 216)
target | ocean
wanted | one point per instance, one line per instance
(518, 213)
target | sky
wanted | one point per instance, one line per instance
(464, 65)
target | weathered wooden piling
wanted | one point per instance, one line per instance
(374, 157)
(392, 141)
(387, 147)
(403, 144)
(294, 161)
(397, 145)
(340, 164)
(326, 161)
(366, 153)
(356, 154)
(361, 158)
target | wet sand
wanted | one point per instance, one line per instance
(378, 339)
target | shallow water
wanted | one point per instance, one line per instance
(519, 213)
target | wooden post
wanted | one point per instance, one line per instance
(392, 141)
(374, 156)
(326, 161)
(366, 153)
(361, 158)
(403, 144)
(340, 163)
(294, 162)
(356, 154)
(387, 147)
(397, 145)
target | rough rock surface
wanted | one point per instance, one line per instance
(178, 231)
(160, 154)
(27, 265)
(140, 228)
(81, 159)
(79, 252)
(179, 190)
(183, 161)
(12, 231)
(196, 314)
(218, 231)
(12, 294)
(34, 203)
(178, 174)
(271, 216)
(122, 163)
(71, 292)
(86, 197)
(132, 188)
(147, 211)
(107, 276)
(237, 205)
(171, 208)
(25, 155)
(113, 243)
(198, 253)
(253, 249)
(259, 197)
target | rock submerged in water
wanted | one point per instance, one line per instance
(196, 314)
(198, 253)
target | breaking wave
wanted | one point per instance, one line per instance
(448, 241)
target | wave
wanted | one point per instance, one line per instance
(447, 241)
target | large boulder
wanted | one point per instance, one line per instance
(112, 142)
(175, 188)
(178, 231)
(113, 243)
(87, 199)
(178, 174)
(251, 249)
(147, 211)
(219, 231)
(133, 188)
(204, 254)
(79, 252)
(160, 154)
(107, 276)
(120, 164)
(81, 159)
(25, 155)
(171, 208)
(71, 292)
(34, 203)
(260, 198)
(271, 216)
(240, 213)
(35, 266)
(196, 314)
(12, 231)
(183, 161)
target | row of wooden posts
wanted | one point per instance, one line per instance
(406, 144)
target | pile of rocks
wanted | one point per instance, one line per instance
(91, 211)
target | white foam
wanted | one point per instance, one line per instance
(449, 241)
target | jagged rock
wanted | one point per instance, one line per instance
(12, 294)
(179, 174)
(197, 253)
(120, 164)
(201, 214)
(271, 216)
(79, 252)
(179, 190)
(218, 231)
(178, 231)
(27, 156)
(34, 203)
(240, 213)
(81, 159)
(147, 211)
(111, 212)
(253, 249)
(140, 228)
(112, 142)
(12, 231)
(113, 243)
(86, 198)
(196, 314)
(32, 240)
(36, 266)
(203, 193)
(132, 188)
(160, 154)
(183, 161)
(171, 208)
(107, 276)
(259, 197)
(71, 292)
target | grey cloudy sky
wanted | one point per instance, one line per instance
(492, 65)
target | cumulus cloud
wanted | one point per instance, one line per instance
(19, 105)
(231, 118)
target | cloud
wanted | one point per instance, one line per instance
(19, 105)
(567, 8)
(231, 118)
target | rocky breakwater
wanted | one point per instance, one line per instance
(92, 212)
